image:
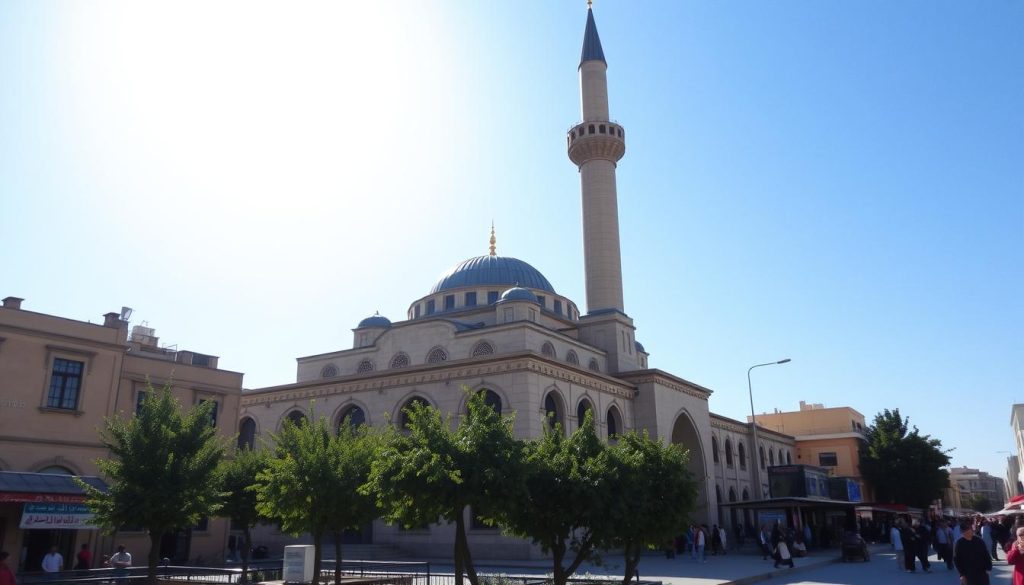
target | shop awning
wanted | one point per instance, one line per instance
(792, 503)
(18, 486)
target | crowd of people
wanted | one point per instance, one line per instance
(53, 563)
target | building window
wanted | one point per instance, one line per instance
(532, 315)
(492, 297)
(364, 366)
(558, 306)
(728, 452)
(449, 302)
(714, 448)
(614, 425)
(437, 355)
(140, 398)
(491, 399)
(789, 460)
(65, 383)
(743, 455)
(781, 457)
(581, 412)
(732, 494)
(471, 299)
(329, 371)
(213, 411)
(482, 348)
(510, 314)
(296, 417)
(415, 311)
(771, 457)
(400, 360)
(430, 307)
(405, 420)
(553, 410)
(828, 459)
(542, 300)
(571, 358)
(547, 350)
(355, 417)
(746, 495)
(761, 449)
(593, 366)
(247, 434)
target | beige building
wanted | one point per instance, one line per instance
(975, 483)
(1017, 426)
(825, 437)
(59, 379)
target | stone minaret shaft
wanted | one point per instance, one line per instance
(595, 146)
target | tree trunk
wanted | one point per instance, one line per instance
(337, 557)
(631, 555)
(558, 575)
(467, 557)
(246, 551)
(457, 553)
(154, 556)
(318, 539)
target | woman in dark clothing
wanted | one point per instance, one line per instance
(971, 557)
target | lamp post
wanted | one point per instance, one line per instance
(753, 424)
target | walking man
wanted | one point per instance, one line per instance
(971, 557)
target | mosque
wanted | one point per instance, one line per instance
(495, 324)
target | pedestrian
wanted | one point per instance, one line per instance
(909, 537)
(923, 544)
(971, 557)
(782, 553)
(763, 539)
(724, 538)
(53, 562)
(897, 543)
(700, 542)
(6, 574)
(944, 543)
(988, 538)
(1015, 557)
(84, 558)
(716, 540)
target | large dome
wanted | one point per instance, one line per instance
(493, 270)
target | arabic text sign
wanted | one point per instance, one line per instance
(57, 517)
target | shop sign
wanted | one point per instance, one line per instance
(41, 498)
(57, 517)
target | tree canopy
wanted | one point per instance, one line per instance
(433, 472)
(237, 478)
(161, 472)
(902, 465)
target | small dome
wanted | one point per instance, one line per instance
(492, 270)
(639, 347)
(519, 294)
(374, 321)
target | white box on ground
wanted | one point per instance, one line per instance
(298, 563)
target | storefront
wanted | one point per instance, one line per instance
(42, 510)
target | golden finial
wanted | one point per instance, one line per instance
(493, 240)
(590, 4)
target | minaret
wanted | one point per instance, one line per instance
(595, 146)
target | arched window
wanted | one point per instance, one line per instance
(553, 410)
(614, 423)
(247, 433)
(781, 458)
(56, 470)
(714, 448)
(364, 366)
(491, 399)
(718, 494)
(743, 455)
(771, 457)
(547, 350)
(482, 348)
(761, 449)
(329, 371)
(437, 355)
(355, 416)
(732, 494)
(297, 417)
(593, 366)
(571, 358)
(581, 411)
(400, 360)
(728, 452)
(746, 495)
(408, 407)
(789, 460)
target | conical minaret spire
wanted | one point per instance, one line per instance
(596, 145)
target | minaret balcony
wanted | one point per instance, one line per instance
(596, 140)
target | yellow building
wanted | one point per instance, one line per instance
(59, 379)
(826, 437)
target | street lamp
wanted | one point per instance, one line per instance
(753, 424)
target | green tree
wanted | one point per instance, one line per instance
(298, 486)
(901, 464)
(569, 484)
(161, 475)
(355, 449)
(651, 498)
(434, 473)
(980, 503)
(237, 478)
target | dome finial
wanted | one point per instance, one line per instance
(493, 240)
(590, 4)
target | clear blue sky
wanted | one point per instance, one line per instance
(837, 183)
